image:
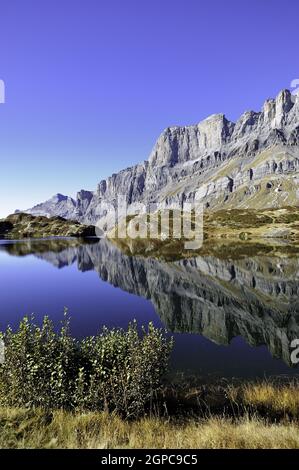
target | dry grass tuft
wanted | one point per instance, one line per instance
(279, 398)
(21, 428)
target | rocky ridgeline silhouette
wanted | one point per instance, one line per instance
(251, 163)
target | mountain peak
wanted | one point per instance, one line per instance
(229, 163)
(59, 197)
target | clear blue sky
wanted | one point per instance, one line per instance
(90, 84)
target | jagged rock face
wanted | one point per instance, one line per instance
(181, 144)
(227, 163)
(256, 298)
(130, 182)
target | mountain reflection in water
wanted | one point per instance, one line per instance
(254, 298)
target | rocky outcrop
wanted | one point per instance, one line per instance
(21, 225)
(227, 163)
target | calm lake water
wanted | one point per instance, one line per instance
(228, 317)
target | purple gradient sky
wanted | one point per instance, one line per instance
(91, 84)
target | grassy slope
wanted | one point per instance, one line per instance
(265, 416)
(254, 223)
(226, 232)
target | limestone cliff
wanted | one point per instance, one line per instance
(228, 164)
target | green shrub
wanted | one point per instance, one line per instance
(117, 370)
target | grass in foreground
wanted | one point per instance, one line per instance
(112, 391)
(244, 415)
(274, 400)
(282, 399)
(20, 428)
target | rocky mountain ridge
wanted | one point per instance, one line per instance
(251, 163)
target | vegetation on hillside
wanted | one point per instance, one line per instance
(21, 225)
(225, 232)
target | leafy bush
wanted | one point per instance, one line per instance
(117, 370)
